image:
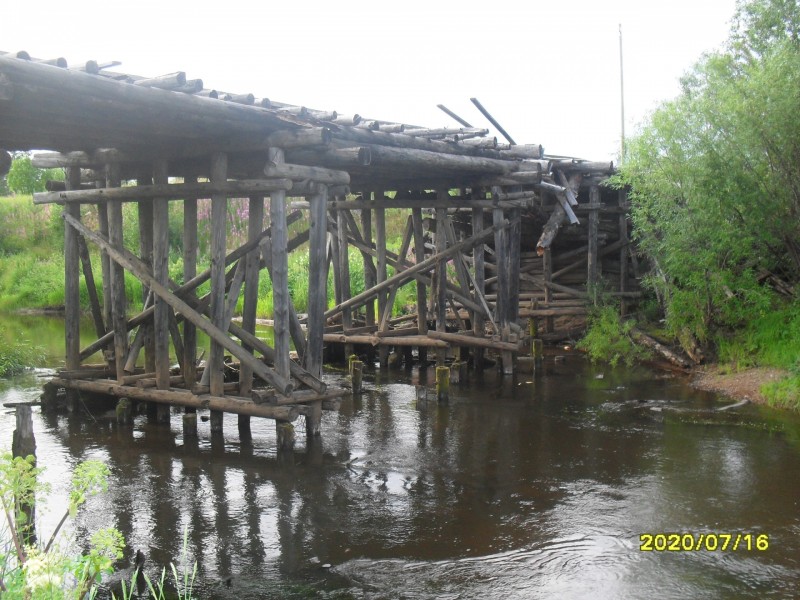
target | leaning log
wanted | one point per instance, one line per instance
(642, 338)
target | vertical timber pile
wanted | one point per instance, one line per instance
(189, 271)
(344, 274)
(592, 257)
(72, 298)
(503, 285)
(370, 272)
(479, 324)
(219, 203)
(380, 241)
(160, 212)
(422, 301)
(440, 280)
(317, 296)
(118, 299)
(255, 224)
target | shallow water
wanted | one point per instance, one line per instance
(537, 486)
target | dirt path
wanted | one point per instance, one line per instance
(740, 385)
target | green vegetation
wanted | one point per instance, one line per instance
(608, 338)
(715, 189)
(16, 355)
(24, 178)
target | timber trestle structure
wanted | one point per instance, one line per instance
(493, 234)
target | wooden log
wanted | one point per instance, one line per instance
(344, 272)
(118, 299)
(169, 191)
(419, 256)
(189, 359)
(23, 445)
(592, 258)
(411, 203)
(91, 288)
(145, 335)
(356, 374)
(514, 242)
(374, 340)
(478, 324)
(280, 273)
(427, 161)
(317, 283)
(643, 339)
(124, 411)
(419, 267)
(442, 383)
(547, 277)
(72, 307)
(231, 404)
(623, 253)
(161, 274)
(187, 311)
(189, 425)
(254, 226)
(553, 312)
(440, 278)
(380, 245)
(474, 341)
(303, 172)
(219, 206)
(300, 138)
(370, 270)
(285, 437)
(397, 332)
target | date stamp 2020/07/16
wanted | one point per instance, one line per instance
(708, 542)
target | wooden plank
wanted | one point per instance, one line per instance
(317, 283)
(72, 296)
(161, 274)
(282, 385)
(422, 302)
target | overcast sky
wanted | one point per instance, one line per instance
(548, 71)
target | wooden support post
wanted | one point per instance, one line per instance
(124, 411)
(219, 205)
(255, 224)
(440, 280)
(404, 244)
(105, 268)
(592, 256)
(370, 272)
(285, 436)
(547, 275)
(514, 252)
(478, 323)
(118, 300)
(280, 273)
(356, 374)
(190, 424)
(503, 288)
(72, 298)
(344, 274)
(23, 444)
(144, 209)
(422, 302)
(380, 245)
(188, 363)
(538, 350)
(161, 273)
(317, 282)
(442, 383)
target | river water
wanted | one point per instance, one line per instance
(537, 486)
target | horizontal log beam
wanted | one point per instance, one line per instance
(231, 404)
(474, 341)
(169, 191)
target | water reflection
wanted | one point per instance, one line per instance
(536, 486)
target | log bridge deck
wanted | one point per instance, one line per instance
(526, 236)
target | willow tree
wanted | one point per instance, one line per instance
(715, 177)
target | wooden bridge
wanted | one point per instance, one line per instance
(525, 236)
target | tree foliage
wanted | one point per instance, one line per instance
(715, 177)
(24, 178)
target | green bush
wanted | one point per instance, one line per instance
(784, 393)
(608, 338)
(24, 178)
(16, 355)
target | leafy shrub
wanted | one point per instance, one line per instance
(608, 338)
(17, 354)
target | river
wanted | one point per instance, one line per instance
(537, 486)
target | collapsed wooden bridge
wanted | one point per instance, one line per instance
(525, 236)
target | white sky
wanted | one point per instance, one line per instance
(548, 71)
